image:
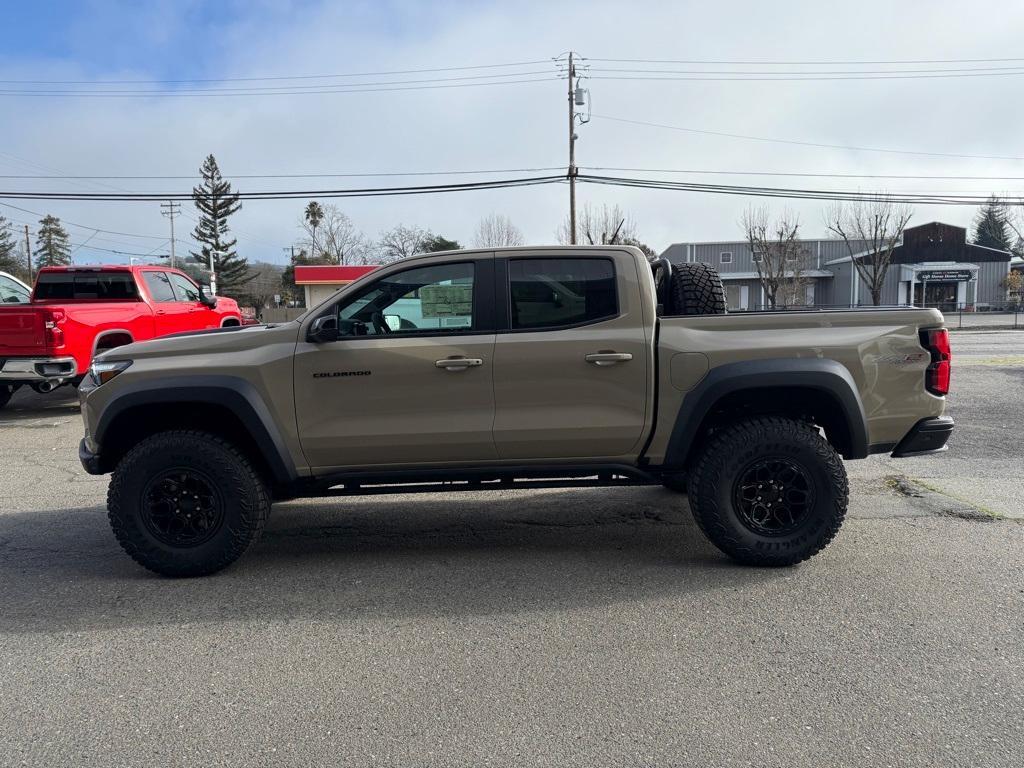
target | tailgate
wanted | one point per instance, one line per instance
(22, 328)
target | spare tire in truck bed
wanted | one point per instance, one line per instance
(695, 289)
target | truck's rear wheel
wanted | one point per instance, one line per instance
(769, 491)
(696, 289)
(6, 393)
(185, 503)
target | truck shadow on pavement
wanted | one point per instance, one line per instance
(465, 554)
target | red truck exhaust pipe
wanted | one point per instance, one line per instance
(936, 377)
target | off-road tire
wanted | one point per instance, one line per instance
(729, 457)
(695, 289)
(6, 393)
(243, 494)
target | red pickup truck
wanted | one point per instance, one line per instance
(77, 312)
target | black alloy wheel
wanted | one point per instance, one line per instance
(182, 508)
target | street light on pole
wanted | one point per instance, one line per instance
(213, 275)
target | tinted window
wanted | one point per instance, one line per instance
(159, 286)
(422, 300)
(555, 292)
(104, 286)
(12, 292)
(185, 289)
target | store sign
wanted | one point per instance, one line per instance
(945, 275)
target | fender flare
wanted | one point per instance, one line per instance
(237, 395)
(827, 376)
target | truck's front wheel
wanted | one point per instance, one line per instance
(186, 503)
(769, 491)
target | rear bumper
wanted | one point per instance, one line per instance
(28, 369)
(927, 436)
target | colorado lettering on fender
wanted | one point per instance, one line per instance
(336, 374)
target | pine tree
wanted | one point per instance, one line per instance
(52, 246)
(216, 202)
(990, 228)
(9, 261)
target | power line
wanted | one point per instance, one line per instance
(298, 175)
(803, 143)
(768, 77)
(240, 92)
(801, 174)
(790, 193)
(287, 194)
(766, 62)
(1014, 69)
(275, 77)
(84, 226)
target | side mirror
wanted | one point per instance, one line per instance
(207, 297)
(323, 330)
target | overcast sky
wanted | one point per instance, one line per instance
(500, 126)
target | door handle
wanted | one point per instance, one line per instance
(608, 358)
(458, 363)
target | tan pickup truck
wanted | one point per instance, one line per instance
(513, 368)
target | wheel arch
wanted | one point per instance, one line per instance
(820, 390)
(121, 335)
(222, 405)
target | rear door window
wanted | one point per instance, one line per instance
(555, 293)
(99, 286)
(159, 286)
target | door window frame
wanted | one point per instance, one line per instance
(149, 290)
(172, 275)
(504, 293)
(483, 312)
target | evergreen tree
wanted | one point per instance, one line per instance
(216, 202)
(9, 261)
(990, 228)
(433, 243)
(52, 246)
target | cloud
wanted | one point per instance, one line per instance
(512, 126)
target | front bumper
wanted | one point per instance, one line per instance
(28, 369)
(90, 461)
(927, 436)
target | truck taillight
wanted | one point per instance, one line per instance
(936, 377)
(54, 335)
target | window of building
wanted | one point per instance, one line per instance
(725, 257)
(185, 289)
(553, 293)
(159, 286)
(757, 256)
(420, 300)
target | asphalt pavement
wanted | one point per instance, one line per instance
(555, 627)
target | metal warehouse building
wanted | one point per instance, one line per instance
(933, 266)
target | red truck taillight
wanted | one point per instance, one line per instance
(936, 377)
(53, 334)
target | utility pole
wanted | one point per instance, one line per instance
(170, 210)
(572, 154)
(28, 254)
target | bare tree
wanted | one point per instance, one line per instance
(401, 241)
(779, 256)
(337, 239)
(604, 226)
(871, 230)
(497, 231)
